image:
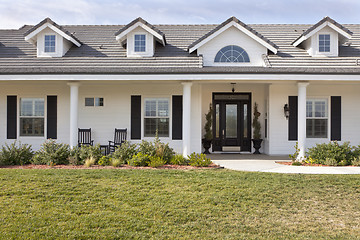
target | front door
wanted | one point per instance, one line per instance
(231, 121)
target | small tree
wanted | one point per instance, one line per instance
(256, 123)
(208, 124)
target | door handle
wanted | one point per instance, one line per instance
(223, 134)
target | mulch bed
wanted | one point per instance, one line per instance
(311, 165)
(33, 166)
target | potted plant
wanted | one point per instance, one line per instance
(256, 132)
(208, 136)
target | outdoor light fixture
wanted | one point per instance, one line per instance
(233, 87)
(286, 111)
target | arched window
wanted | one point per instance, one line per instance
(232, 53)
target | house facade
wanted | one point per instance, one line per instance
(162, 78)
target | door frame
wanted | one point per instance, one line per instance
(245, 143)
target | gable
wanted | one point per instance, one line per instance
(232, 36)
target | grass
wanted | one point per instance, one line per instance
(174, 204)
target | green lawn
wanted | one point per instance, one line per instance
(176, 204)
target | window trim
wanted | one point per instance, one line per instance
(94, 101)
(43, 117)
(328, 108)
(324, 34)
(143, 116)
(45, 46)
(140, 42)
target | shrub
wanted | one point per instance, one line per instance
(16, 154)
(52, 153)
(140, 159)
(179, 159)
(294, 156)
(330, 162)
(199, 160)
(90, 162)
(80, 154)
(155, 161)
(125, 152)
(294, 163)
(157, 148)
(356, 161)
(115, 162)
(342, 154)
(104, 160)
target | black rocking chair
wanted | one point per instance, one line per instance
(119, 138)
(84, 137)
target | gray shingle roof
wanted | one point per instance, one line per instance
(101, 53)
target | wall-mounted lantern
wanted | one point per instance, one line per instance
(286, 111)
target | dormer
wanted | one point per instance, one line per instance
(51, 40)
(139, 38)
(323, 38)
(233, 43)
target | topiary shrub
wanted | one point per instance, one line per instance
(52, 153)
(199, 160)
(16, 154)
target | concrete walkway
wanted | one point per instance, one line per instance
(265, 163)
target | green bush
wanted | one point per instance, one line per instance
(157, 148)
(16, 154)
(330, 162)
(52, 153)
(155, 161)
(140, 159)
(342, 154)
(125, 152)
(105, 160)
(179, 159)
(356, 161)
(80, 154)
(199, 160)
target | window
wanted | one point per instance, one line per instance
(31, 117)
(316, 118)
(156, 117)
(49, 43)
(94, 101)
(324, 42)
(232, 53)
(139, 43)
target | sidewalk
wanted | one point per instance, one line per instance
(265, 163)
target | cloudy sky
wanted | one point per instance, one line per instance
(15, 13)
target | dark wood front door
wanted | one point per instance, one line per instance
(232, 121)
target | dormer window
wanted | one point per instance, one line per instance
(324, 42)
(49, 43)
(140, 43)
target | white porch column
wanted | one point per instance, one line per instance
(74, 103)
(302, 118)
(186, 118)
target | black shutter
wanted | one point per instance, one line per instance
(135, 117)
(177, 109)
(52, 117)
(336, 118)
(293, 118)
(11, 117)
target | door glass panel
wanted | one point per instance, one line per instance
(245, 120)
(217, 121)
(231, 120)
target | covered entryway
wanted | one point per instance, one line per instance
(232, 122)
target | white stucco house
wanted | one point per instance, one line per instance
(55, 79)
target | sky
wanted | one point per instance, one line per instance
(16, 13)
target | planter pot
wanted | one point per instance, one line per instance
(206, 144)
(257, 145)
